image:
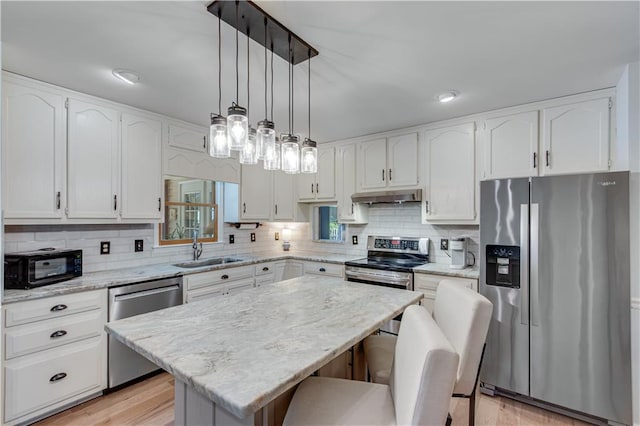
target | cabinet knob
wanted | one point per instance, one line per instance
(159, 203)
(244, 207)
(57, 377)
(389, 174)
(317, 190)
(265, 269)
(204, 141)
(58, 333)
(322, 270)
(312, 188)
(57, 308)
(225, 277)
(426, 203)
(535, 155)
(382, 174)
(547, 157)
(58, 200)
(115, 202)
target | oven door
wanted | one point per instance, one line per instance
(399, 280)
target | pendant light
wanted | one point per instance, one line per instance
(218, 141)
(248, 155)
(290, 148)
(309, 153)
(266, 129)
(272, 150)
(237, 121)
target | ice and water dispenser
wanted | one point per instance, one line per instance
(503, 266)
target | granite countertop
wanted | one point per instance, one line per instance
(117, 277)
(243, 350)
(439, 269)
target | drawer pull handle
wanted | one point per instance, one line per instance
(58, 333)
(225, 277)
(58, 308)
(57, 377)
(322, 270)
(265, 269)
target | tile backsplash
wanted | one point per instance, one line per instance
(383, 220)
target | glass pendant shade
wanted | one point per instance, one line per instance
(309, 157)
(272, 156)
(218, 141)
(249, 154)
(290, 154)
(237, 127)
(266, 137)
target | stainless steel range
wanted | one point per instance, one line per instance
(389, 262)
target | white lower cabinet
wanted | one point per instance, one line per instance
(55, 354)
(265, 273)
(293, 269)
(324, 269)
(428, 285)
(220, 282)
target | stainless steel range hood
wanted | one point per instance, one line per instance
(396, 196)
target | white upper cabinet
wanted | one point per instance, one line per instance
(187, 137)
(450, 175)
(391, 162)
(93, 169)
(319, 186)
(255, 193)
(346, 185)
(283, 196)
(141, 167)
(575, 137)
(511, 146)
(33, 152)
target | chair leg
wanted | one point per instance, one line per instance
(472, 408)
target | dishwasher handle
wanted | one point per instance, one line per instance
(143, 293)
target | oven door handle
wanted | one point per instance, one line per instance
(378, 278)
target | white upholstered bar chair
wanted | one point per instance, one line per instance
(418, 393)
(464, 316)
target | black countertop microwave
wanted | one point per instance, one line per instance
(36, 268)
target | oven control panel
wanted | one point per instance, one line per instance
(399, 244)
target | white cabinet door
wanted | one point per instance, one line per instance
(307, 186)
(255, 191)
(346, 186)
(184, 137)
(283, 196)
(450, 168)
(33, 152)
(326, 177)
(141, 167)
(402, 160)
(511, 146)
(293, 269)
(575, 137)
(372, 163)
(93, 168)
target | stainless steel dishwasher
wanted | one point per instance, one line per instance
(130, 300)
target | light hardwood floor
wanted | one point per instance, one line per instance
(151, 403)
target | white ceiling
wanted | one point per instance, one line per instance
(381, 64)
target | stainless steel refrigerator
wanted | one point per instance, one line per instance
(556, 267)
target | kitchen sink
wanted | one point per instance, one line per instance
(207, 262)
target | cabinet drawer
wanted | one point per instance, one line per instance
(204, 279)
(428, 284)
(265, 268)
(325, 269)
(219, 289)
(37, 381)
(265, 279)
(30, 338)
(54, 307)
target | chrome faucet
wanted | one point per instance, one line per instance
(197, 251)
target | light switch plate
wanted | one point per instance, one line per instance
(231, 239)
(105, 247)
(277, 236)
(354, 240)
(138, 245)
(253, 237)
(444, 244)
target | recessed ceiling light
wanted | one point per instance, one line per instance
(128, 76)
(447, 96)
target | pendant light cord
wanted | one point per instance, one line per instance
(266, 111)
(219, 64)
(309, 93)
(248, 77)
(237, 75)
(271, 82)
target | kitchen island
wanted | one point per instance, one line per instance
(232, 355)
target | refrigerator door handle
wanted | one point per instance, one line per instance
(535, 284)
(524, 264)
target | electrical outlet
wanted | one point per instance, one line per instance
(105, 247)
(253, 237)
(231, 239)
(138, 245)
(277, 236)
(444, 244)
(354, 240)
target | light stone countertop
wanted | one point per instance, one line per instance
(117, 277)
(439, 269)
(243, 350)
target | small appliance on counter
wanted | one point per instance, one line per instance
(37, 268)
(458, 249)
